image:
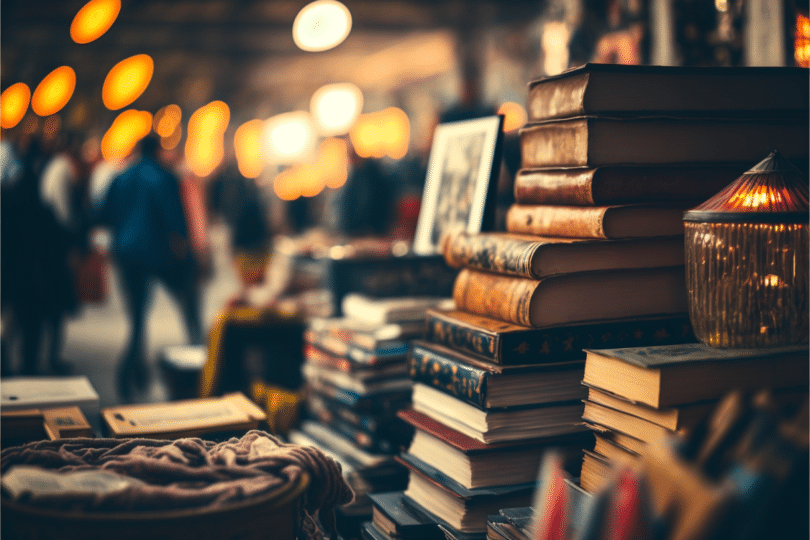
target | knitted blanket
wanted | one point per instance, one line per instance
(190, 473)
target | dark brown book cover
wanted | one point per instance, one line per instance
(598, 222)
(612, 88)
(594, 141)
(505, 343)
(628, 184)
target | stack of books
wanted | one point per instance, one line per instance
(638, 396)
(356, 373)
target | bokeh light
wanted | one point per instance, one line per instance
(321, 25)
(166, 120)
(248, 147)
(289, 138)
(205, 144)
(333, 160)
(127, 129)
(335, 108)
(382, 133)
(93, 19)
(13, 104)
(54, 91)
(514, 116)
(126, 81)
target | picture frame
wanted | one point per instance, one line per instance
(461, 182)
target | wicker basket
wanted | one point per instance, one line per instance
(272, 516)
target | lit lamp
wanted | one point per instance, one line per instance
(747, 259)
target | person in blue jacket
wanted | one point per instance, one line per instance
(149, 242)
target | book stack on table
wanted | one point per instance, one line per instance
(639, 395)
(356, 374)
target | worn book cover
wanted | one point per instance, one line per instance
(506, 344)
(487, 385)
(584, 297)
(624, 184)
(671, 375)
(594, 141)
(536, 256)
(614, 88)
(598, 222)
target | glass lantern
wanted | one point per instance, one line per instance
(747, 260)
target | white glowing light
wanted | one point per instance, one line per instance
(335, 107)
(321, 25)
(289, 137)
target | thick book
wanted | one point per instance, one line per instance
(474, 464)
(614, 452)
(538, 257)
(629, 184)
(488, 386)
(507, 344)
(572, 298)
(498, 425)
(395, 519)
(676, 374)
(623, 440)
(596, 141)
(464, 510)
(622, 422)
(596, 471)
(185, 418)
(672, 418)
(597, 222)
(614, 88)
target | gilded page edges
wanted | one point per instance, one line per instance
(558, 98)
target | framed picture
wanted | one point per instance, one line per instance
(460, 188)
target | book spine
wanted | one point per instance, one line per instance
(448, 375)
(555, 144)
(462, 338)
(563, 187)
(490, 252)
(559, 99)
(505, 298)
(549, 220)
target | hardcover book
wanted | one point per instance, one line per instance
(488, 386)
(600, 222)
(506, 344)
(538, 257)
(354, 354)
(390, 367)
(474, 464)
(612, 88)
(592, 141)
(572, 298)
(498, 425)
(186, 418)
(622, 422)
(629, 184)
(388, 310)
(368, 336)
(396, 520)
(672, 375)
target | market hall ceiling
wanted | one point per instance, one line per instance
(242, 50)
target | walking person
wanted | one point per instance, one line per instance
(149, 242)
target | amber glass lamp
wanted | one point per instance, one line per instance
(747, 259)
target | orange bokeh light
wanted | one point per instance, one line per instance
(127, 129)
(54, 91)
(382, 133)
(166, 120)
(93, 19)
(205, 142)
(514, 116)
(247, 145)
(126, 81)
(13, 104)
(333, 160)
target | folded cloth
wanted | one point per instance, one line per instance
(190, 473)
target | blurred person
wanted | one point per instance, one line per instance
(36, 277)
(150, 242)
